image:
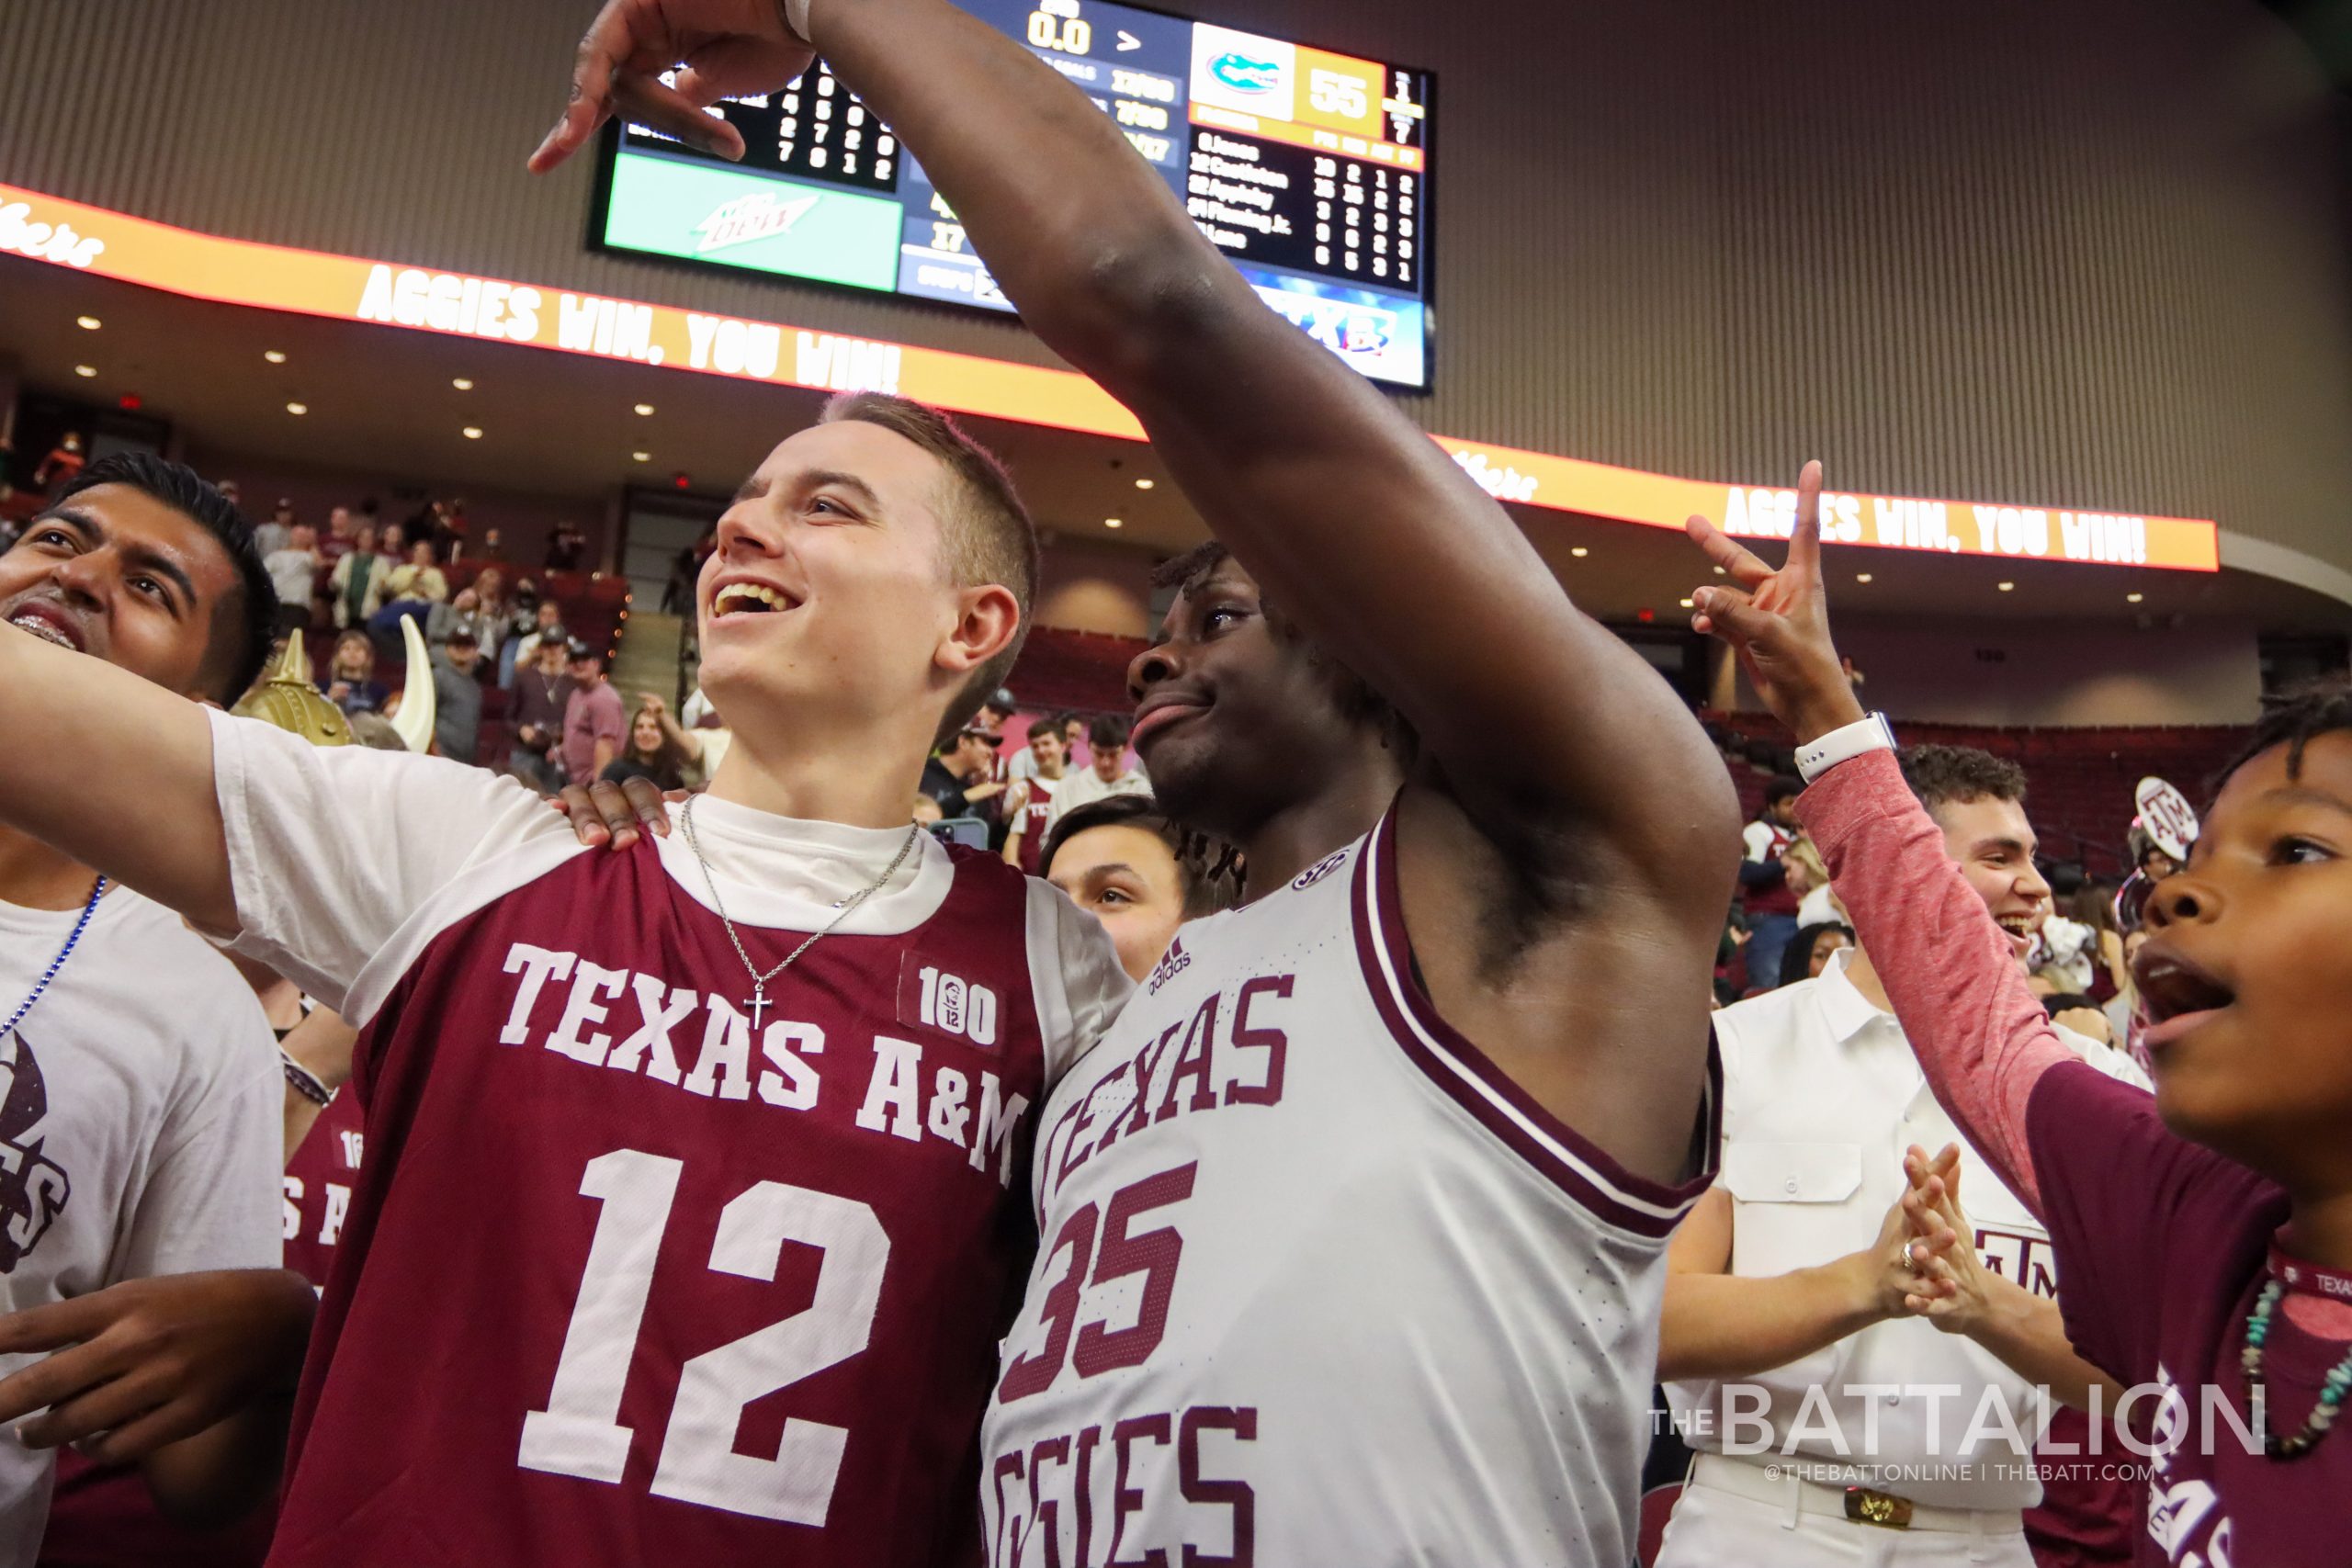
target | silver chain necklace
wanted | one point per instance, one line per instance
(759, 1002)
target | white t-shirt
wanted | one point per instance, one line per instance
(345, 913)
(1084, 786)
(142, 1118)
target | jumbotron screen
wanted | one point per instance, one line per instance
(1310, 170)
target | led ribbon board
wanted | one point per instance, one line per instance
(313, 283)
(1310, 170)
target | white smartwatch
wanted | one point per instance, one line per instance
(1817, 756)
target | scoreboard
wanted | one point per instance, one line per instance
(1310, 170)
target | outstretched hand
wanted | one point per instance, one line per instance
(727, 47)
(611, 814)
(1778, 622)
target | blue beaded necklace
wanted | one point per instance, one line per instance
(57, 963)
(2332, 1392)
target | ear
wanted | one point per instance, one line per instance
(987, 620)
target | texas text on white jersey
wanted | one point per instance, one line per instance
(1331, 1289)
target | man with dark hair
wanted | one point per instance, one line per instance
(1770, 902)
(240, 621)
(956, 778)
(457, 691)
(2205, 1232)
(1790, 1291)
(1106, 773)
(1443, 1081)
(727, 1126)
(138, 1137)
(1125, 862)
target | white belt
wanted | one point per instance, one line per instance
(1858, 1505)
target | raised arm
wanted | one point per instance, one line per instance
(116, 772)
(1980, 1033)
(1367, 534)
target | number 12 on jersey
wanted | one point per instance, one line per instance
(579, 1433)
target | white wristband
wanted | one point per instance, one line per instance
(795, 17)
(1824, 752)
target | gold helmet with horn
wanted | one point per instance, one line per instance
(287, 698)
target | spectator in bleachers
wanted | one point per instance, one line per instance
(2122, 1009)
(343, 530)
(653, 753)
(1029, 801)
(1024, 762)
(542, 695)
(497, 610)
(1808, 955)
(465, 612)
(1764, 877)
(355, 589)
(411, 589)
(1107, 772)
(566, 545)
(275, 535)
(351, 682)
(958, 776)
(546, 629)
(456, 695)
(1075, 754)
(2094, 906)
(65, 461)
(593, 723)
(293, 572)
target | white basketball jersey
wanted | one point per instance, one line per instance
(1317, 1283)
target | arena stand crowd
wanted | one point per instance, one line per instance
(1231, 1112)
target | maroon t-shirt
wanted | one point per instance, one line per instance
(2164, 1244)
(1034, 817)
(626, 1280)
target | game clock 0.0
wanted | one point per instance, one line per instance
(1309, 169)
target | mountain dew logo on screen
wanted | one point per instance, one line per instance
(759, 216)
(1245, 73)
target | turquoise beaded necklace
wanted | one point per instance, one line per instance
(2331, 1393)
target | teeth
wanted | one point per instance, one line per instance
(742, 595)
(42, 629)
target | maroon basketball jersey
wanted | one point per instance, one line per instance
(628, 1280)
(1034, 818)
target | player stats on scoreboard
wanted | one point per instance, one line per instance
(1309, 169)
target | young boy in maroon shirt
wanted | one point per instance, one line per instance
(2205, 1233)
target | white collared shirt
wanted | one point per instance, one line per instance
(1822, 1096)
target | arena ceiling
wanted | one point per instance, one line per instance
(564, 426)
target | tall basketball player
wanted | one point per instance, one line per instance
(687, 1227)
(1354, 1228)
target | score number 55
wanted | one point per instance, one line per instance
(1153, 1253)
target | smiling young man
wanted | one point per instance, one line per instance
(1354, 1227)
(1787, 1286)
(690, 1176)
(2206, 1232)
(139, 1096)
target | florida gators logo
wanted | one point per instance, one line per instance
(1245, 74)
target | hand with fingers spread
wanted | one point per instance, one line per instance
(727, 47)
(1777, 620)
(147, 1362)
(613, 814)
